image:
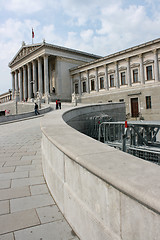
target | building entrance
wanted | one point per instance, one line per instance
(134, 107)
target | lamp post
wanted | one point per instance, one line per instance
(9, 94)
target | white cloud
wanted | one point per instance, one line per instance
(99, 27)
(25, 6)
(87, 35)
(49, 34)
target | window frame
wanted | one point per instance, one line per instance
(148, 102)
(111, 80)
(148, 72)
(92, 81)
(123, 78)
(100, 81)
(76, 88)
(84, 87)
(137, 75)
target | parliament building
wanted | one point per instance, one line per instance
(50, 72)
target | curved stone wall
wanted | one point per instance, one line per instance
(105, 194)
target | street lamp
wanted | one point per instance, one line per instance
(10, 94)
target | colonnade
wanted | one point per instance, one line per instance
(31, 78)
(141, 74)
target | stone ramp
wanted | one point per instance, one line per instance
(27, 210)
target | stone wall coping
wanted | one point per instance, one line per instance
(22, 116)
(137, 178)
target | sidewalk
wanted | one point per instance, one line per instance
(27, 210)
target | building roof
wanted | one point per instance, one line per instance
(128, 50)
(26, 50)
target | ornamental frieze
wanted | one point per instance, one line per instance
(24, 52)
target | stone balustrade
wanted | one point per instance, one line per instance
(105, 194)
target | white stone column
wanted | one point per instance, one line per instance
(29, 82)
(13, 84)
(88, 85)
(50, 77)
(141, 69)
(79, 85)
(16, 81)
(71, 85)
(96, 79)
(21, 85)
(25, 83)
(40, 76)
(128, 72)
(156, 67)
(35, 89)
(46, 78)
(117, 75)
(106, 84)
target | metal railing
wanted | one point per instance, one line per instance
(137, 138)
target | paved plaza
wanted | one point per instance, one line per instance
(27, 210)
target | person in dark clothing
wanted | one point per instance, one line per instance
(59, 103)
(56, 104)
(36, 109)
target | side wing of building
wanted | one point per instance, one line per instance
(131, 76)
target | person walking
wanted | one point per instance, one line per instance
(36, 109)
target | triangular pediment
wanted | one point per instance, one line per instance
(24, 51)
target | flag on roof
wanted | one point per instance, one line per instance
(32, 33)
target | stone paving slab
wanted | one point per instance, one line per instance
(7, 169)
(35, 173)
(39, 189)
(12, 193)
(48, 231)
(27, 210)
(7, 159)
(4, 207)
(49, 214)
(27, 181)
(23, 158)
(27, 168)
(18, 220)
(17, 163)
(5, 184)
(14, 175)
(8, 236)
(20, 204)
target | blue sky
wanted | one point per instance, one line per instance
(96, 26)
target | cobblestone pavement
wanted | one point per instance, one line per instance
(27, 210)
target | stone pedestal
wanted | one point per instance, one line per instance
(39, 98)
(74, 100)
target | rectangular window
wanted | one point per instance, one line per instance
(121, 100)
(109, 100)
(112, 80)
(148, 102)
(123, 78)
(102, 83)
(149, 72)
(92, 85)
(135, 76)
(76, 88)
(84, 87)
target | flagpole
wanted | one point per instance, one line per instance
(32, 35)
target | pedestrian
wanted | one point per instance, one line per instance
(36, 109)
(56, 104)
(59, 103)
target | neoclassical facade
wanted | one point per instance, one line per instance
(43, 69)
(131, 76)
